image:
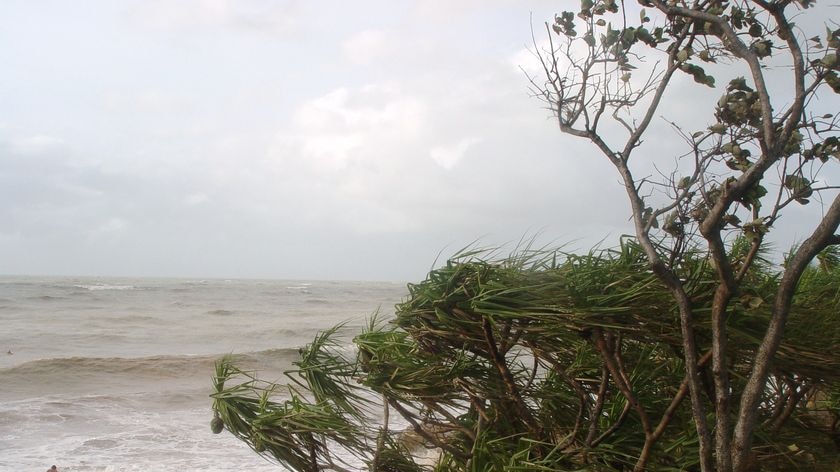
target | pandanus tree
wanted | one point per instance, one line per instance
(547, 361)
(762, 153)
(691, 346)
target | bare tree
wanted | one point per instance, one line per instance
(762, 155)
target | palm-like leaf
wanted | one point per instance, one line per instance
(548, 361)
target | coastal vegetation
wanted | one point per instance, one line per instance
(692, 345)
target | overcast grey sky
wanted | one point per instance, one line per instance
(285, 139)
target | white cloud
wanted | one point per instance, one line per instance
(367, 46)
(448, 157)
(143, 100)
(369, 217)
(526, 59)
(326, 110)
(330, 152)
(36, 144)
(358, 154)
(112, 226)
(447, 10)
(79, 191)
(365, 108)
(194, 199)
(261, 16)
(343, 125)
(258, 107)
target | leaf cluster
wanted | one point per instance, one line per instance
(548, 361)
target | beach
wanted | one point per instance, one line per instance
(106, 374)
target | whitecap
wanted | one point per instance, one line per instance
(95, 287)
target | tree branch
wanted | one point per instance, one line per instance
(820, 238)
(507, 378)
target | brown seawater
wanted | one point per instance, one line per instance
(114, 374)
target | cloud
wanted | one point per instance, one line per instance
(113, 225)
(448, 157)
(377, 160)
(143, 101)
(444, 10)
(35, 144)
(255, 16)
(341, 126)
(194, 199)
(358, 154)
(256, 137)
(367, 46)
(366, 107)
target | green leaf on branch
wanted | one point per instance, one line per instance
(647, 215)
(832, 37)
(611, 37)
(800, 188)
(731, 219)
(684, 54)
(736, 17)
(673, 224)
(705, 56)
(657, 33)
(643, 35)
(755, 229)
(752, 302)
(739, 83)
(833, 80)
(698, 73)
(762, 48)
(628, 36)
(796, 182)
(794, 144)
(739, 164)
(718, 128)
(752, 197)
(824, 150)
(565, 24)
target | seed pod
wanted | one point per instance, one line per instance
(217, 425)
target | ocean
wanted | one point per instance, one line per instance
(107, 374)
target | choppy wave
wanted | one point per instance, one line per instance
(102, 286)
(155, 365)
(46, 298)
(78, 374)
(220, 312)
(99, 405)
(317, 301)
(300, 286)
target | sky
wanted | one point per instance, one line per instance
(288, 139)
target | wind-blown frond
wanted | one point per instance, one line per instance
(547, 361)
